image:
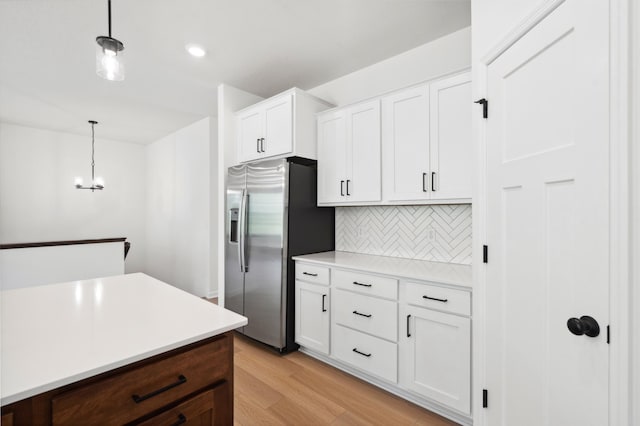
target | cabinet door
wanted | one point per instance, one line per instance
(278, 127)
(363, 156)
(332, 157)
(249, 134)
(435, 356)
(451, 149)
(405, 141)
(312, 316)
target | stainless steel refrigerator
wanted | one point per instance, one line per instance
(271, 216)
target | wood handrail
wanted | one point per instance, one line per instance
(61, 243)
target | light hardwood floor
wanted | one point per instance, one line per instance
(295, 389)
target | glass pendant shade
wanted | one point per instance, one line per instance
(110, 58)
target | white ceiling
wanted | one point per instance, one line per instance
(47, 54)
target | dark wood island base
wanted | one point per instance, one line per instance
(191, 385)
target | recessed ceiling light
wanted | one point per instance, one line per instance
(195, 50)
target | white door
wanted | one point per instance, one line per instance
(363, 134)
(450, 142)
(405, 141)
(312, 316)
(435, 356)
(548, 222)
(332, 157)
(249, 134)
(278, 126)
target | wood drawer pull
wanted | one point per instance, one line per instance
(310, 274)
(436, 299)
(363, 285)
(362, 315)
(138, 399)
(361, 353)
(181, 419)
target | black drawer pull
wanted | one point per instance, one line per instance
(436, 299)
(324, 296)
(310, 274)
(138, 399)
(362, 284)
(408, 332)
(361, 353)
(181, 419)
(362, 315)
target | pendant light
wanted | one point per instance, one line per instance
(109, 55)
(96, 183)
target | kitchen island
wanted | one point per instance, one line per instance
(127, 349)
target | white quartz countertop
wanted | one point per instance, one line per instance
(445, 273)
(57, 334)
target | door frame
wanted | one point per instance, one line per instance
(620, 380)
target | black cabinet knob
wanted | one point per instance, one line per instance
(585, 325)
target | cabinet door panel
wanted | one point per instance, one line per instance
(249, 132)
(364, 154)
(332, 157)
(435, 354)
(278, 127)
(451, 149)
(405, 136)
(312, 316)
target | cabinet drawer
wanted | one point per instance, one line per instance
(365, 283)
(440, 298)
(312, 273)
(368, 353)
(365, 313)
(137, 392)
(203, 409)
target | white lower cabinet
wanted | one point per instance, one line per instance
(412, 338)
(312, 316)
(435, 356)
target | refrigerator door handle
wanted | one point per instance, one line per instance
(245, 226)
(241, 231)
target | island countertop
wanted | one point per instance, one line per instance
(57, 334)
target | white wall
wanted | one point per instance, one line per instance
(442, 56)
(38, 200)
(178, 195)
(492, 20)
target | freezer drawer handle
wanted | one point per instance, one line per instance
(181, 420)
(362, 284)
(362, 315)
(436, 299)
(324, 296)
(361, 353)
(310, 274)
(138, 399)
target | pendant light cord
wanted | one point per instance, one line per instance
(109, 18)
(93, 151)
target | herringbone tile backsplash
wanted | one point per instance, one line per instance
(439, 233)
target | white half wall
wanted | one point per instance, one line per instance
(177, 211)
(445, 55)
(38, 200)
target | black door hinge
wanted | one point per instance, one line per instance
(485, 254)
(608, 335)
(485, 398)
(485, 107)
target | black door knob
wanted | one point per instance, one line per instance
(584, 325)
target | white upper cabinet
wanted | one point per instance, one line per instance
(424, 135)
(281, 126)
(450, 142)
(405, 126)
(349, 155)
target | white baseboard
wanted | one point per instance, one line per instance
(212, 294)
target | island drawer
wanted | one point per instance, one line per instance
(372, 315)
(203, 409)
(373, 285)
(312, 273)
(147, 387)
